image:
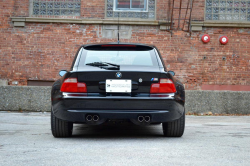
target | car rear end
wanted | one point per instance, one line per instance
(118, 81)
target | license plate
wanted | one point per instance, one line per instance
(113, 86)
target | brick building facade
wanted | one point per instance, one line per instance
(38, 38)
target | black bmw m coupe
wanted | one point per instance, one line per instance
(117, 81)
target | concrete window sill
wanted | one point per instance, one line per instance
(197, 25)
(20, 21)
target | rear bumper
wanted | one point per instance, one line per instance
(159, 108)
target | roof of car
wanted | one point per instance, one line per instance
(115, 43)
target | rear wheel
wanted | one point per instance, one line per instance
(155, 123)
(175, 128)
(60, 128)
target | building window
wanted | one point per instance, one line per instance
(137, 9)
(56, 7)
(133, 5)
(227, 10)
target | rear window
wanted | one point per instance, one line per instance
(141, 57)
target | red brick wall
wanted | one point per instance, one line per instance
(39, 50)
(21, 8)
(162, 10)
(93, 9)
(198, 15)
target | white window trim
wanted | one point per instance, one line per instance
(129, 10)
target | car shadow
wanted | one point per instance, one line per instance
(117, 130)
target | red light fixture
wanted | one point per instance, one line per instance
(72, 85)
(205, 38)
(164, 86)
(223, 39)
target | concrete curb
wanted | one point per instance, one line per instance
(34, 98)
(28, 98)
(221, 102)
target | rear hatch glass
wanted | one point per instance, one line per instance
(119, 55)
(100, 64)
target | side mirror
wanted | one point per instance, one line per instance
(172, 72)
(62, 72)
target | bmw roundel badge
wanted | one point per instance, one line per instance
(118, 75)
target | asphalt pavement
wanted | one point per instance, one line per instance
(26, 139)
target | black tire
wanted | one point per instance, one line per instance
(155, 123)
(60, 128)
(175, 128)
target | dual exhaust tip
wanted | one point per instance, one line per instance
(94, 118)
(144, 119)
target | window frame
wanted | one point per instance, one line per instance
(31, 12)
(225, 14)
(131, 9)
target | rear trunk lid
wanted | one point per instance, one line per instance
(141, 77)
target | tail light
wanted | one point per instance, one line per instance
(164, 86)
(72, 85)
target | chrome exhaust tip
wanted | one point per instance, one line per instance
(147, 118)
(140, 118)
(95, 118)
(89, 118)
